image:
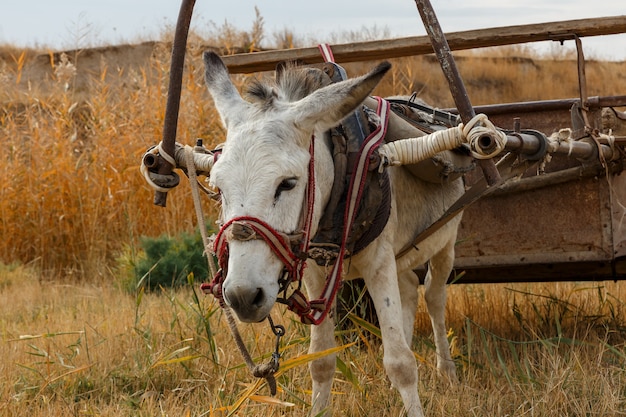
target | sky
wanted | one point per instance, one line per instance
(69, 24)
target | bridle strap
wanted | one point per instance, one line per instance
(246, 228)
(243, 228)
(327, 52)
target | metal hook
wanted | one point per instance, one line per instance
(279, 331)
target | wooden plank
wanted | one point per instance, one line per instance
(420, 45)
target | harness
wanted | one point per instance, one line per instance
(350, 222)
(293, 250)
(375, 202)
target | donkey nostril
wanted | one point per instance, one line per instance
(242, 299)
(259, 298)
(232, 302)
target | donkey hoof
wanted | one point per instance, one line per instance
(447, 372)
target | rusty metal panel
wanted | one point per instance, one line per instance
(565, 223)
(570, 231)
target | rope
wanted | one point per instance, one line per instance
(473, 131)
(414, 150)
(195, 193)
(260, 371)
(410, 151)
(562, 136)
(156, 150)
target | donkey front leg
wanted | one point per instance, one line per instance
(322, 338)
(382, 283)
(322, 370)
(408, 284)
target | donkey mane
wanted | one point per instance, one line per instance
(293, 82)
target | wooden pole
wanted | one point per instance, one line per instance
(420, 45)
(455, 82)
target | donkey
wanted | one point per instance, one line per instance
(263, 173)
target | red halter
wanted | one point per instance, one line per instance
(290, 249)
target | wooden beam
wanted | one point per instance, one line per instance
(420, 45)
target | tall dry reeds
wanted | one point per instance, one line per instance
(74, 134)
(72, 194)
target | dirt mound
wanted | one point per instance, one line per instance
(76, 68)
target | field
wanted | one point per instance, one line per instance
(92, 349)
(73, 207)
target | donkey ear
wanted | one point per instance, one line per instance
(228, 102)
(327, 107)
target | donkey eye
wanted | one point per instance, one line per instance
(285, 185)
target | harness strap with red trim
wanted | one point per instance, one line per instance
(322, 305)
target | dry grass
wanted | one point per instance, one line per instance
(71, 165)
(72, 201)
(85, 349)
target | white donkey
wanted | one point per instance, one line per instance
(263, 175)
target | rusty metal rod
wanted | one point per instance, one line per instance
(530, 144)
(555, 178)
(170, 123)
(455, 82)
(594, 102)
(151, 161)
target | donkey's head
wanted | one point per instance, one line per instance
(263, 171)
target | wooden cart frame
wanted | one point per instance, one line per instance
(568, 223)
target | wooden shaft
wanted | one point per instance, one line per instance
(420, 45)
(455, 82)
